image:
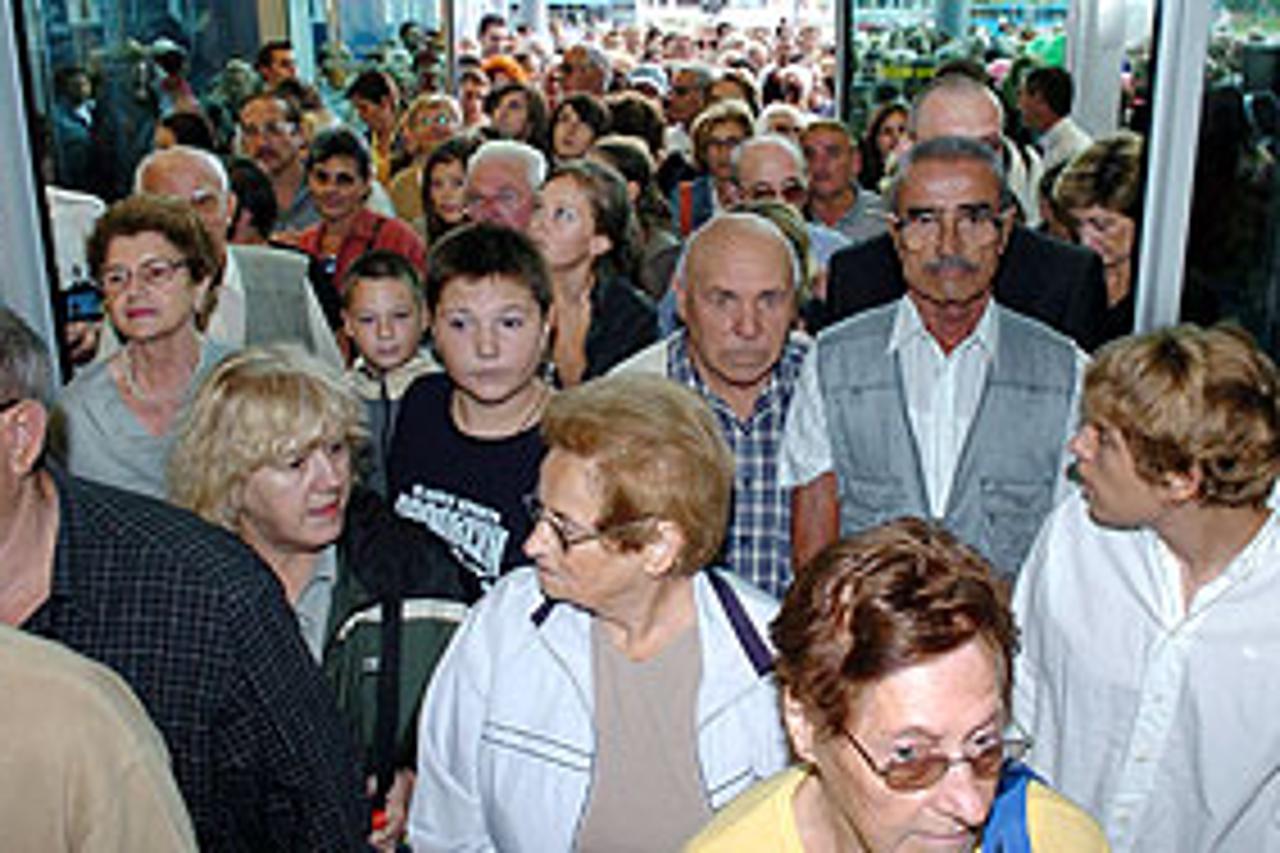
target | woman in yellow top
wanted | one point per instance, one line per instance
(895, 650)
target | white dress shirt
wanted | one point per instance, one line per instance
(1157, 717)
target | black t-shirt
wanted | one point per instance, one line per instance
(466, 490)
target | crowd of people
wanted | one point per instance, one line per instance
(617, 451)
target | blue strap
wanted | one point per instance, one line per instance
(1006, 827)
(757, 652)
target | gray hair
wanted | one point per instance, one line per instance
(949, 149)
(797, 115)
(25, 370)
(601, 61)
(777, 140)
(740, 218)
(950, 85)
(531, 159)
(184, 154)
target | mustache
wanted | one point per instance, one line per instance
(950, 263)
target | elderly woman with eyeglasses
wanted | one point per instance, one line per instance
(895, 652)
(154, 262)
(617, 693)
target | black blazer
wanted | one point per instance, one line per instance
(1058, 283)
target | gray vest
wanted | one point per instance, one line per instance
(1004, 480)
(276, 292)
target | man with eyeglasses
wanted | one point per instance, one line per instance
(1060, 284)
(195, 624)
(735, 290)
(772, 168)
(944, 404)
(259, 294)
(895, 654)
(503, 179)
(270, 134)
(835, 198)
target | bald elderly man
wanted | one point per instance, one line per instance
(736, 293)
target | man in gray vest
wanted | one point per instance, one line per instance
(942, 404)
(262, 294)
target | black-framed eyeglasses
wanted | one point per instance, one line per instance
(569, 533)
(919, 773)
(10, 403)
(974, 225)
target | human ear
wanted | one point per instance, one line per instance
(800, 729)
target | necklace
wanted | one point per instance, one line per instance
(527, 417)
(130, 376)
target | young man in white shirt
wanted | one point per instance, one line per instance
(1148, 604)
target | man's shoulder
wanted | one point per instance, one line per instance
(870, 324)
(269, 266)
(1037, 248)
(652, 359)
(146, 542)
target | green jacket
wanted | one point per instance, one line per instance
(398, 597)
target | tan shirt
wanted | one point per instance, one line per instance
(646, 791)
(82, 768)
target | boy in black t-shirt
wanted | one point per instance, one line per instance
(466, 448)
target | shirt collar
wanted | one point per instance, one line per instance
(909, 329)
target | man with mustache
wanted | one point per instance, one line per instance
(942, 404)
(736, 293)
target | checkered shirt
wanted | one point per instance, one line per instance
(758, 544)
(201, 631)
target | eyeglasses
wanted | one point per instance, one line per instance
(271, 128)
(153, 272)
(792, 192)
(568, 533)
(438, 119)
(919, 773)
(975, 225)
(724, 141)
(9, 404)
(505, 199)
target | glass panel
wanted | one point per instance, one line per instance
(1233, 248)
(100, 79)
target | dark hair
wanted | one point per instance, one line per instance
(744, 82)
(266, 53)
(632, 114)
(630, 157)
(171, 218)
(1053, 86)
(589, 109)
(482, 250)
(339, 142)
(537, 130)
(254, 193)
(456, 150)
(490, 19)
(307, 97)
(873, 164)
(372, 85)
(886, 599)
(191, 129)
(381, 263)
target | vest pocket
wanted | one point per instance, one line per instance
(866, 502)
(1012, 512)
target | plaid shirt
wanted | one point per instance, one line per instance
(758, 544)
(200, 630)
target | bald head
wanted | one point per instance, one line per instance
(771, 167)
(197, 177)
(735, 292)
(956, 105)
